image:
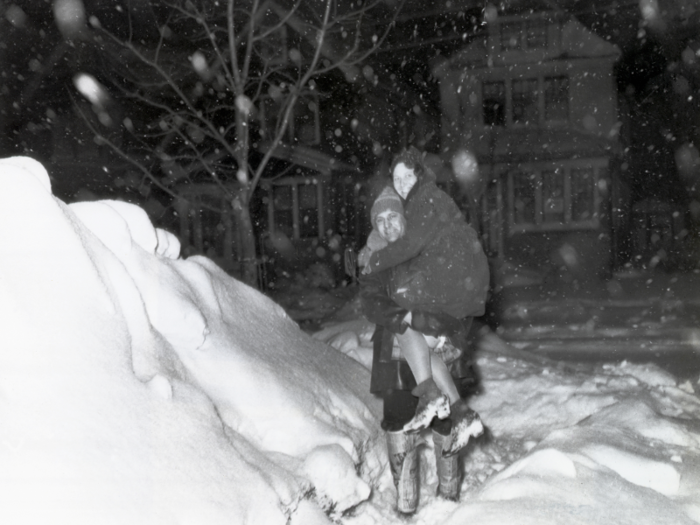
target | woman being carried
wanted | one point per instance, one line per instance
(440, 277)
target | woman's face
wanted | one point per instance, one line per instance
(404, 179)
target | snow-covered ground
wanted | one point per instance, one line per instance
(140, 388)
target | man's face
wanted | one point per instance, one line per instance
(404, 179)
(390, 225)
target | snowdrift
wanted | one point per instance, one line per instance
(136, 387)
(575, 444)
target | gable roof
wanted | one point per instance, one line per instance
(575, 42)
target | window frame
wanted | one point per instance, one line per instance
(295, 183)
(540, 100)
(523, 34)
(555, 78)
(273, 49)
(599, 168)
(524, 94)
(500, 115)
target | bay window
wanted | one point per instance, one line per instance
(555, 196)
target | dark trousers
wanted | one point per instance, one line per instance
(400, 407)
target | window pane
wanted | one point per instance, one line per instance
(525, 101)
(344, 204)
(283, 203)
(511, 35)
(556, 98)
(269, 113)
(553, 196)
(582, 194)
(308, 210)
(524, 188)
(273, 48)
(492, 219)
(494, 103)
(305, 126)
(212, 233)
(536, 35)
(308, 196)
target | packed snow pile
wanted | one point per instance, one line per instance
(615, 443)
(136, 387)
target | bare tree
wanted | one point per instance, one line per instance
(197, 88)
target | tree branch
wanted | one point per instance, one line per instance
(291, 101)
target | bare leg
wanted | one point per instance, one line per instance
(425, 364)
(415, 349)
(432, 402)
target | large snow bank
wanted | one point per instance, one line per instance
(120, 364)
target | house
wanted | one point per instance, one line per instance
(534, 99)
(305, 211)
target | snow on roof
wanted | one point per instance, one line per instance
(575, 41)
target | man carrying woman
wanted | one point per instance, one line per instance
(424, 278)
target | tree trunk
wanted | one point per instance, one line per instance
(247, 253)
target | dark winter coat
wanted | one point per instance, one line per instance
(387, 315)
(440, 264)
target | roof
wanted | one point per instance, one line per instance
(575, 42)
(537, 144)
(308, 158)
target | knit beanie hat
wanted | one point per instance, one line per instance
(388, 199)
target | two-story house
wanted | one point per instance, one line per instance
(534, 99)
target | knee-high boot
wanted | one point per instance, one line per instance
(466, 424)
(448, 471)
(403, 460)
(431, 403)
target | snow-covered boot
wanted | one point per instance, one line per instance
(448, 471)
(431, 403)
(403, 461)
(465, 424)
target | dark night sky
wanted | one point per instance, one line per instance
(654, 80)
